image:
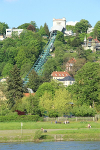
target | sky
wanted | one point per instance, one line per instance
(18, 12)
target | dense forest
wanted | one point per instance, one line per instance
(18, 55)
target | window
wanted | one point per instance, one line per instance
(90, 40)
(58, 23)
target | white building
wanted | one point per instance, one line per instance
(68, 80)
(63, 77)
(60, 22)
(9, 32)
(58, 25)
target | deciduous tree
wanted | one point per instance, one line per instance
(86, 84)
(82, 26)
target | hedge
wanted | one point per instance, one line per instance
(17, 118)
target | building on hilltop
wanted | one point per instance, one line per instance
(9, 32)
(58, 25)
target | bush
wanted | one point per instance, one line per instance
(84, 111)
(37, 135)
(53, 114)
(18, 118)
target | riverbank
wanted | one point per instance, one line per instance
(26, 135)
(25, 132)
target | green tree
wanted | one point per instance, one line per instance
(46, 102)
(46, 29)
(76, 42)
(25, 68)
(11, 53)
(81, 52)
(42, 31)
(69, 27)
(23, 26)
(34, 81)
(14, 87)
(1, 67)
(6, 69)
(45, 87)
(60, 36)
(60, 103)
(96, 31)
(86, 84)
(82, 26)
(35, 25)
(29, 105)
(3, 27)
(49, 67)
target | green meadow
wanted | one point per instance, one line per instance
(47, 125)
(76, 131)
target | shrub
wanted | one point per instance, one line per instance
(53, 114)
(84, 111)
(37, 135)
(15, 118)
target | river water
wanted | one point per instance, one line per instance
(63, 145)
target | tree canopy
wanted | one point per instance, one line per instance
(82, 26)
(86, 87)
(3, 27)
(96, 31)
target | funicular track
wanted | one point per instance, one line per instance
(38, 66)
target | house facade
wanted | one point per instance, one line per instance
(67, 81)
(9, 32)
(63, 77)
(60, 22)
(58, 25)
(90, 43)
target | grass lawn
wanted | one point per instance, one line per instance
(46, 125)
(11, 131)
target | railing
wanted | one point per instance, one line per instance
(41, 59)
(62, 119)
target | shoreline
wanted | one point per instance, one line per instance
(48, 137)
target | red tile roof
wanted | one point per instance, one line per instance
(96, 40)
(60, 74)
(28, 94)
